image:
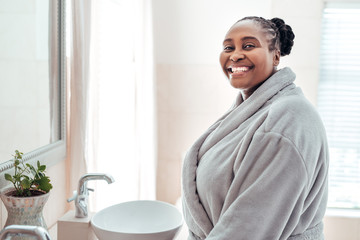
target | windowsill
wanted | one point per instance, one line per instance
(342, 213)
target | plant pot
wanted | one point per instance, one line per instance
(24, 210)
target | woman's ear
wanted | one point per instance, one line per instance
(276, 59)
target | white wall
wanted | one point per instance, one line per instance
(191, 32)
(305, 18)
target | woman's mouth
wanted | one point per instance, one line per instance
(236, 70)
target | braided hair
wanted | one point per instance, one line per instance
(281, 36)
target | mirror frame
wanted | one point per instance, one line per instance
(53, 152)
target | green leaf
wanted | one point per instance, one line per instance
(42, 168)
(32, 169)
(28, 177)
(25, 183)
(18, 155)
(8, 177)
(44, 183)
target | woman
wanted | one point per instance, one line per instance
(260, 171)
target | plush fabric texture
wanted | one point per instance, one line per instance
(260, 171)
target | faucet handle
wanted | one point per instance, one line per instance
(74, 196)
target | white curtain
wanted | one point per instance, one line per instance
(145, 100)
(79, 86)
(115, 133)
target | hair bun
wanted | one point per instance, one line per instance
(286, 36)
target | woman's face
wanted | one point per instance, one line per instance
(246, 59)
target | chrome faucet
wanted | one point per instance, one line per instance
(39, 232)
(81, 195)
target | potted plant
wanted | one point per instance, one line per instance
(25, 200)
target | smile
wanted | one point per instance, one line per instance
(239, 69)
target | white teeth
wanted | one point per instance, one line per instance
(239, 69)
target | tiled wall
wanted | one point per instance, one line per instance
(342, 225)
(189, 99)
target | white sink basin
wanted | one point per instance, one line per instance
(137, 220)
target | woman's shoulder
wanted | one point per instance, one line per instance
(292, 107)
(293, 115)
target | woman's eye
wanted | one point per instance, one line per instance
(228, 48)
(249, 46)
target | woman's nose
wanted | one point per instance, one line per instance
(236, 56)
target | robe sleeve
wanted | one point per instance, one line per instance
(266, 197)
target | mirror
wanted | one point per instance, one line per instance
(32, 78)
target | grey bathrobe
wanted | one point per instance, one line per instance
(260, 171)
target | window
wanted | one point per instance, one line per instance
(339, 100)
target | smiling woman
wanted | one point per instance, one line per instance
(248, 49)
(260, 171)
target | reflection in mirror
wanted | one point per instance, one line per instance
(24, 76)
(32, 91)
